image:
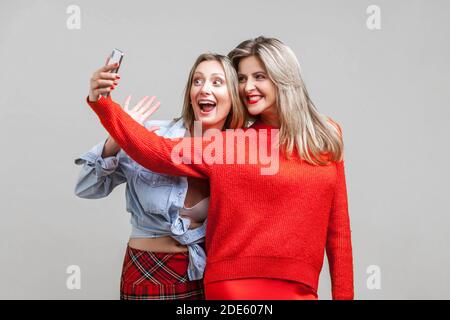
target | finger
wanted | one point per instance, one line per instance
(105, 76)
(102, 91)
(150, 111)
(109, 67)
(103, 83)
(147, 105)
(127, 102)
(108, 76)
(153, 128)
(139, 104)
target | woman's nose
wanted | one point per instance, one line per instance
(249, 86)
(206, 88)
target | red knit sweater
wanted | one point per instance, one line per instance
(275, 226)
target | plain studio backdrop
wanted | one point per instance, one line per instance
(387, 87)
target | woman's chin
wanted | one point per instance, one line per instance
(209, 121)
(209, 118)
(253, 111)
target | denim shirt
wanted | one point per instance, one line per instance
(152, 199)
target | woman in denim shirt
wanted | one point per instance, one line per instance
(165, 258)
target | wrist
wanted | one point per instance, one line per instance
(111, 148)
(92, 97)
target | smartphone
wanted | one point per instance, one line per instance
(116, 56)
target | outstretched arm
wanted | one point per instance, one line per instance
(148, 149)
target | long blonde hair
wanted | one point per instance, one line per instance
(302, 127)
(238, 114)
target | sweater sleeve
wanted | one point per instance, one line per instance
(339, 246)
(179, 157)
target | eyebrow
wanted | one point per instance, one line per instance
(214, 74)
(241, 74)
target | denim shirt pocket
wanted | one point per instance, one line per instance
(153, 191)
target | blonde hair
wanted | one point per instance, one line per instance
(238, 114)
(302, 127)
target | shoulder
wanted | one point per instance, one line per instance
(164, 125)
(159, 123)
(175, 128)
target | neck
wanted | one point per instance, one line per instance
(205, 129)
(270, 117)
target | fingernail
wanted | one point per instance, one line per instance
(112, 88)
(117, 76)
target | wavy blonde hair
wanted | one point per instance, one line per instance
(302, 127)
(238, 114)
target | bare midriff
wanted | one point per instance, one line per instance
(165, 244)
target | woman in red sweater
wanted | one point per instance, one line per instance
(267, 229)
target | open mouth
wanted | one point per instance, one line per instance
(206, 106)
(253, 99)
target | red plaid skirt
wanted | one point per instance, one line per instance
(150, 275)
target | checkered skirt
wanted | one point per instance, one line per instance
(150, 275)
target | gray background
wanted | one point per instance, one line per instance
(387, 88)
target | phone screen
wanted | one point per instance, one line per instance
(116, 56)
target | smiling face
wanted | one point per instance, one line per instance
(256, 88)
(210, 99)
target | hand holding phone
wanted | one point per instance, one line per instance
(115, 57)
(106, 78)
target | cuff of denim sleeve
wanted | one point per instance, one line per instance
(103, 166)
